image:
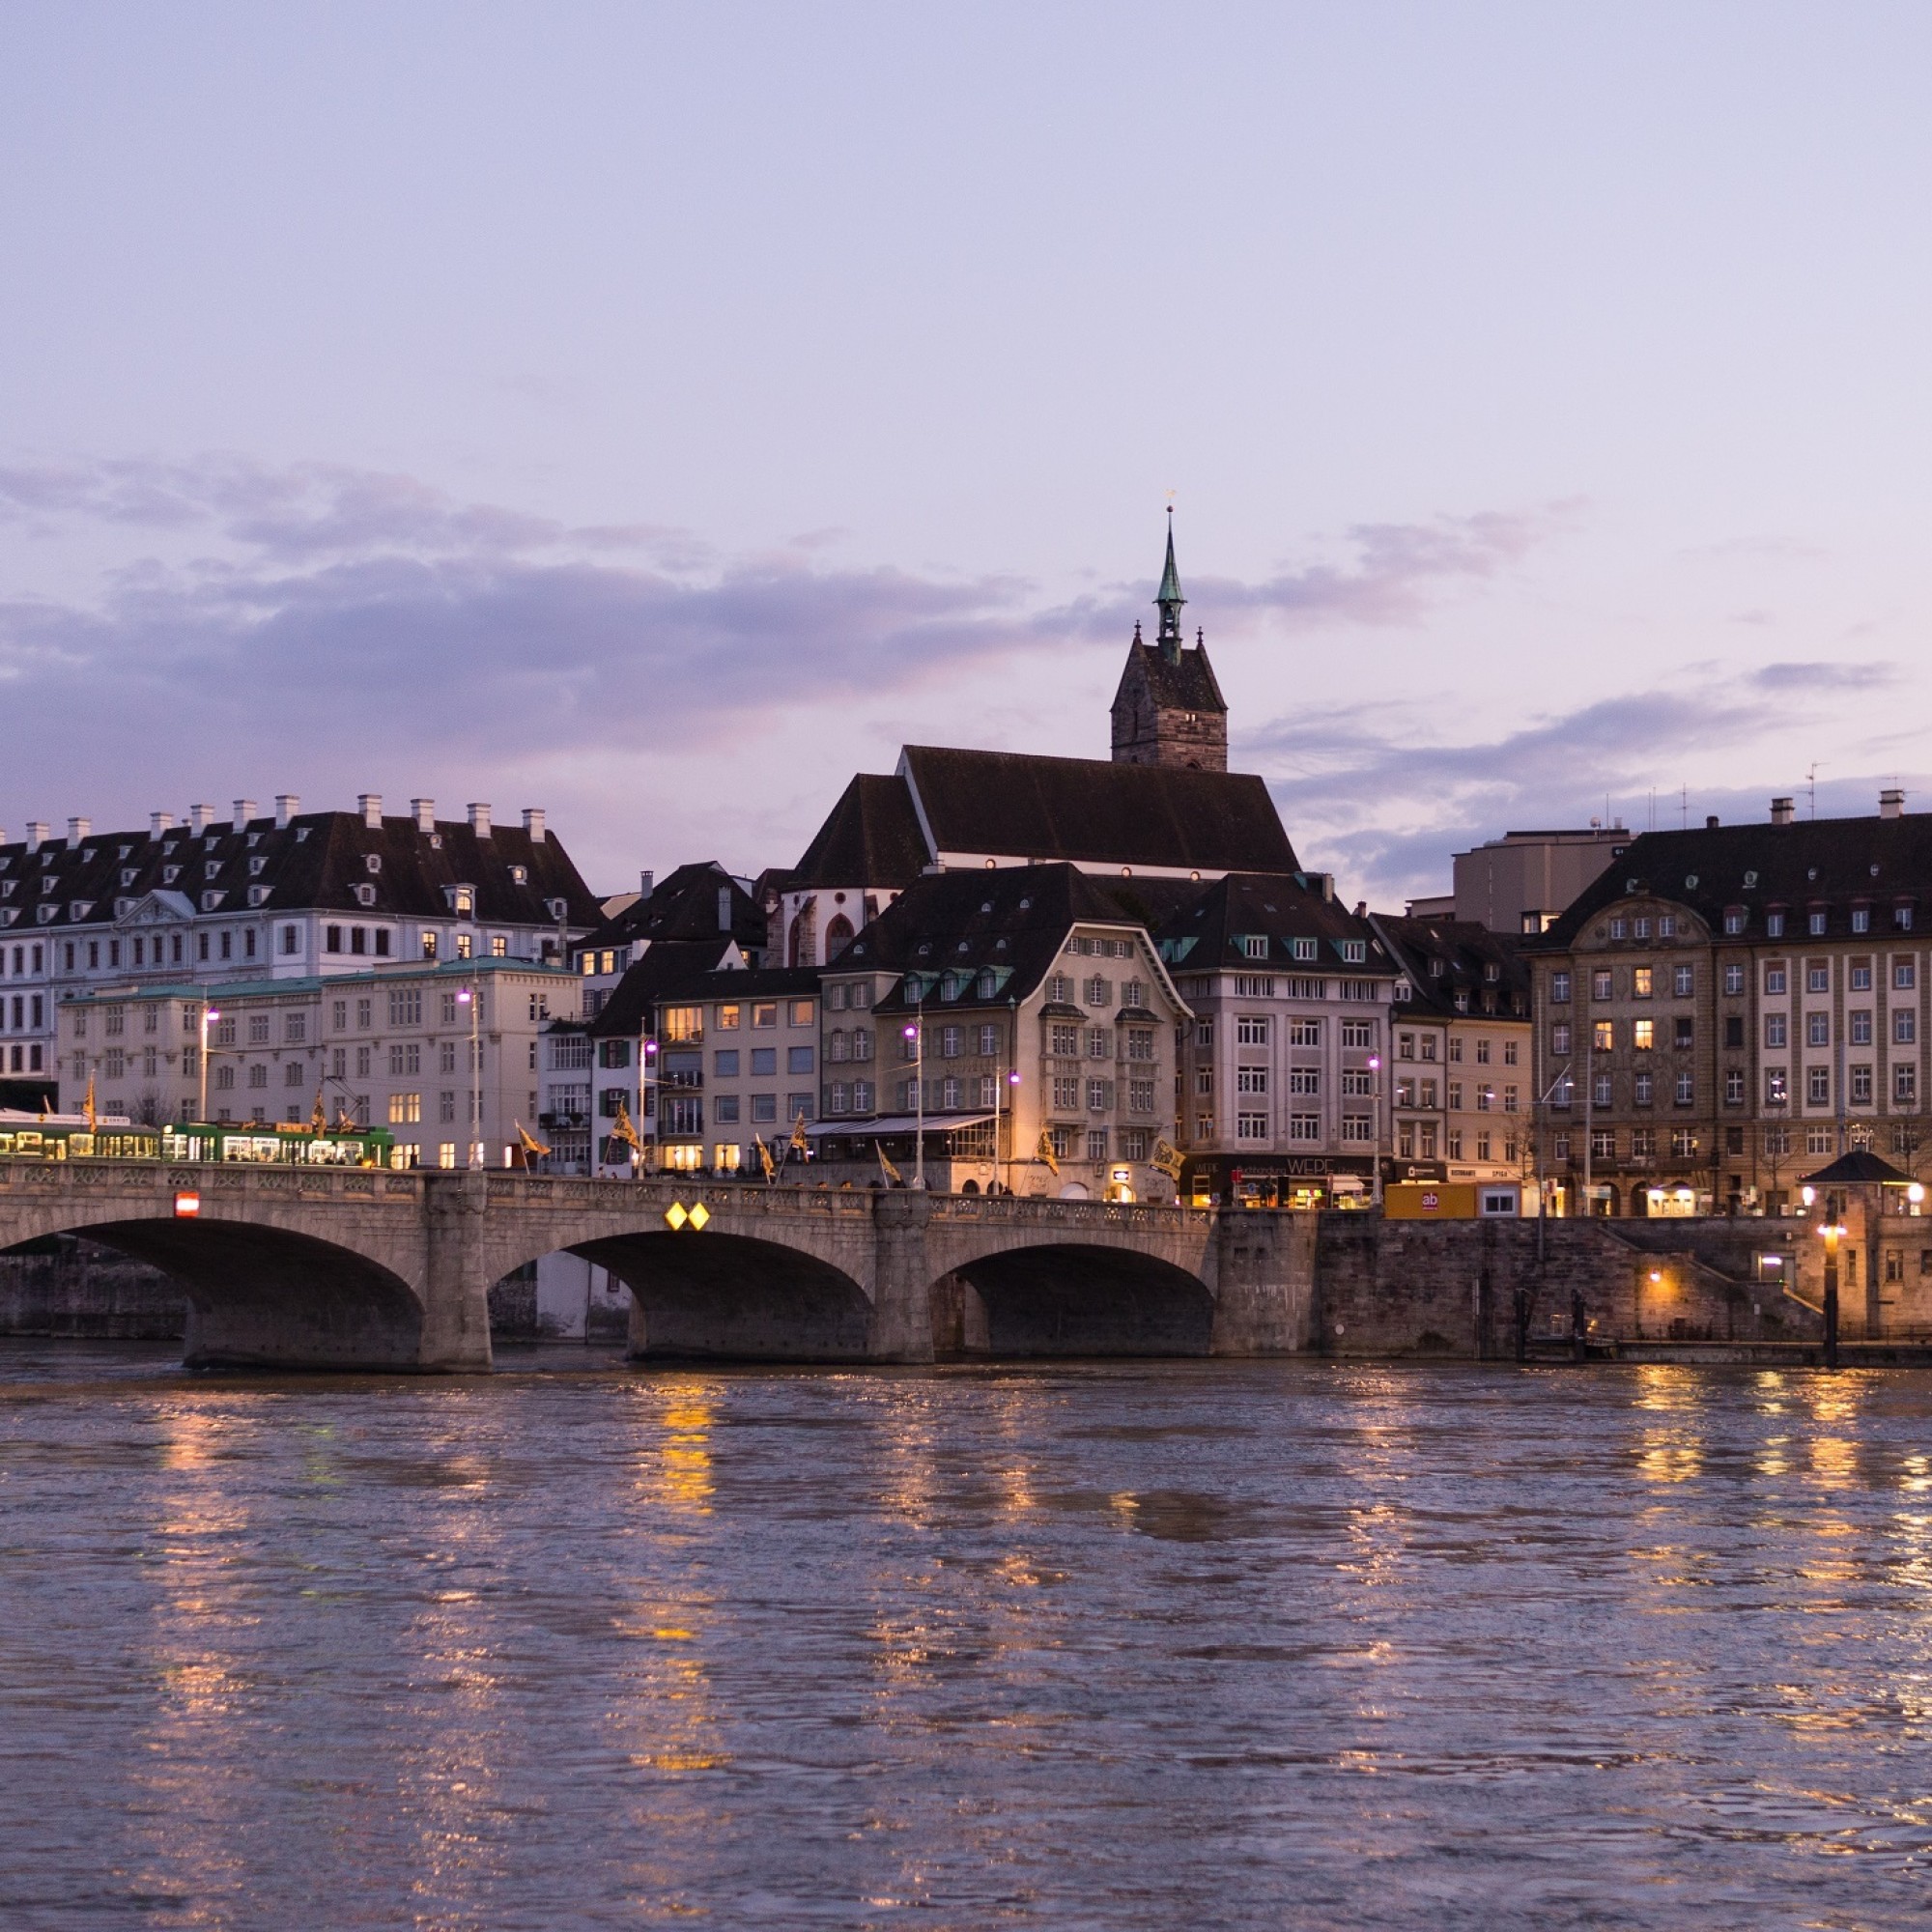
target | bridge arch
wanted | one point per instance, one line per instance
(259, 1295)
(1071, 1297)
(727, 1296)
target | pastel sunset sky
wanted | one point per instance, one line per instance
(658, 413)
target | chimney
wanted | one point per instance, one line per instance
(287, 805)
(244, 810)
(160, 822)
(370, 805)
(199, 819)
(479, 820)
(724, 908)
(1892, 802)
(1781, 812)
(37, 833)
(423, 811)
(1711, 823)
(533, 823)
(644, 885)
(77, 829)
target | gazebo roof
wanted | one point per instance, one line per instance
(1861, 1168)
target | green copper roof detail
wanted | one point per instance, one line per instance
(1170, 600)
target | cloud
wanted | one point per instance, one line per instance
(1364, 791)
(331, 624)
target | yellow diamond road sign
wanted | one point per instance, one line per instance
(699, 1214)
(676, 1215)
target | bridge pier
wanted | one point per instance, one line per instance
(457, 1275)
(1264, 1282)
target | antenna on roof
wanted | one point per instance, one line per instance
(1812, 786)
(1684, 807)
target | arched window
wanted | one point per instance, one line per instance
(837, 936)
(797, 940)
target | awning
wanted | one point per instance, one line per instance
(895, 1123)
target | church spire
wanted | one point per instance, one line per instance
(1170, 600)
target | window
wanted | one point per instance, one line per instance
(1818, 1087)
(1304, 1128)
(1559, 989)
(1817, 977)
(1734, 980)
(1304, 949)
(764, 1107)
(1774, 980)
(1905, 1025)
(1203, 1033)
(406, 1006)
(1776, 1092)
(1682, 981)
(1774, 924)
(801, 1012)
(1734, 1030)
(1687, 1092)
(1862, 1028)
(1251, 1126)
(1600, 1091)
(1456, 1047)
(1682, 1143)
(1816, 924)
(1140, 1096)
(765, 1061)
(1776, 1027)
(1903, 975)
(405, 1059)
(1602, 1143)
(1099, 1043)
(1734, 920)
(1358, 1033)
(1099, 1096)
(1602, 1034)
(1642, 928)
(1065, 1041)
(1065, 1093)
(1643, 1035)
(1619, 928)
(948, 1094)
(1905, 1085)
(1861, 975)
(1861, 1085)
(1306, 1032)
(1097, 1143)
(1862, 919)
(1817, 1029)
(1139, 1044)
(1559, 1038)
(1640, 978)
(1255, 946)
(798, 1058)
(1600, 986)
(1251, 1029)
(1428, 1043)
(1901, 917)
(1734, 1087)
(1455, 1097)
(404, 1109)
(764, 1012)
(1644, 1086)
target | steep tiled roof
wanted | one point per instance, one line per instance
(1189, 685)
(1010, 921)
(1447, 959)
(1825, 865)
(870, 838)
(1090, 811)
(313, 863)
(1279, 908)
(684, 905)
(674, 973)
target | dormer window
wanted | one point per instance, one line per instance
(301, 832)
(258, 895)
(372, 862)
(1492, 970)
(1253, 946)
(212, 839)
(1436, 969)
(211, 901)
(1354, 951)
(435, 841)
(128, 874)
(365, 896)
(462, 901)
(212, 868)
(520, 876)
(1734, 921)
(256, 867)
(125, 850)
(254, 839)
(169, 875)
(86, 855)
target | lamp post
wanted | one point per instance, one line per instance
(467, 998)
(209, 1016)
(914, 1035)
(1832, 1233)
(1376, 1113)
(648, 1066)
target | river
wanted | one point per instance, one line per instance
(1120, 1646)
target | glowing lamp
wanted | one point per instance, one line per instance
(1915, 1193)
(1807, 1195)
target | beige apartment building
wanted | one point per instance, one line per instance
(444, 1056)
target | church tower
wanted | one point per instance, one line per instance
(1169, 709)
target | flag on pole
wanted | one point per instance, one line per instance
(529, 1143)
(800, 1141)
(1166, 1159)
(623, 1133)
(1045, 1151)
(318, 1120)
(764, 1156)
(893, 1178)
(87, 1104)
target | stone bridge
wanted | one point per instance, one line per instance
(361, 1269)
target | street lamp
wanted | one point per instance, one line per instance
(648, 1066)
(209, 1016)
(1376, 1118)
(912, 1036)
(467, 997)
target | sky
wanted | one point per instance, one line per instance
(656, 415)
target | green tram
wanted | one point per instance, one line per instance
(284, 1144)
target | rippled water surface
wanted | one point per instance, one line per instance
(1121, 1647)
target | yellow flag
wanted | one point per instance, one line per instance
(764, 1156)
(1045, 1151)
(892, 1174)
(800, 1141)
(318, 1120)
(87, 1104)
(529, 1143)
(1166, 1159)
(623, 1132)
